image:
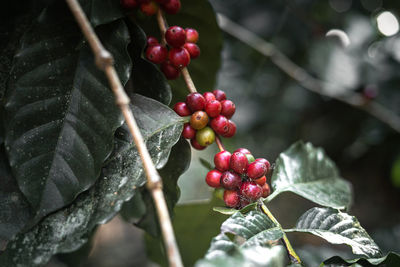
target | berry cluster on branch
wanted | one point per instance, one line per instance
(150, 7)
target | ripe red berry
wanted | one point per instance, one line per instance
(157, 54)
(188, 132)
(182, 109)
(179, 57)
(196, 145)
(199, 120)
(213, 108)
(161, 1)
(238, 162)
(231, 131)
(170, 71)
(261, 181)
(220, 125)
(152, 41)
(192, 36)
(195, 101)
(175, 36)
(222, 159)
(256, 170)
(208, 96)
(266, 162)
(228, 108)
(149, 8)
(205, 136)
(193, 49)
(172, 6)
(213, 178)
(231, 180)
(266, 190)
(129, 4)
(242, 150)
(219, 95)
(231, 198)
(251, 190)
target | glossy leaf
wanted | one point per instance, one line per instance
(390, 260)
(68, 229)
(308, 172)
(231, 211)
(338, 228)
(60, 113)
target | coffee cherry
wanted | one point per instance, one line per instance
(220, 124)
(222, 159)
(238, 162)
(231, 198)
(205, 136)
(266, 190)
(266, 163)
(175, 36)
(170, 71)
(172, 6)
(182, 109)
(208, 96)
(213, 108)
(179, 57)
(152, 41)
(244, 202)
(195, 101)
(231, 131)
(231, 180)
(213, 178)
(251, 190)
(228, 108)
(199, 120)
(219, 95)
(188, 132)
(129, 4)
(149, 8)
(161, 1)
(196, 145)
(256, 170)
(219, 193)
(192, 36)
(250, 158)
(157, 54)
(193, 49)
(261, 181)
(243, 150)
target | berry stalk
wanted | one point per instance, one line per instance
(219, 143)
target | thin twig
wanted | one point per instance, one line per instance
(162, 25)
(219, 143)
(303, 77)
(104, 61)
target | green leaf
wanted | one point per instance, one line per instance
(308, 172)
(68, 229)
(60, 113)
(101, 11)
(231, 211)
(206, 164)
(337, 228)
(390, 260)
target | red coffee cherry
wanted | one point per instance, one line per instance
(152, 41)
(129, 4)
(256, 170)
(188, 132)
(228, 108)
(196, 145)
(250, 190)
(242, 150)
(231, 131)
(195, 101)
(261, 181)
(219, 95)
(157, 54)
(172, 6)
(205, 136)
(149, 8)
(222, 159)
(220, 124)
(182, 109)
(193, 49)
(208, 96)
(161, 1)
(244, 202)
(213, 178)
(199, 120)
(238, 162)
(213, 108)
(231, 180)
(266, 162)
(170, 71)
(179, 57)
(231, 198)
(192, 36)
(266, 190)
(175, 36)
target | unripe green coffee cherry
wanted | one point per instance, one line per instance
(250, 158)
(219, 193)
(205, 136)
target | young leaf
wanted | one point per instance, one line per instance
(60, 112)
(308, 172)
(231, 211)
(68, 229)
(338, 228)
(206, 164)
(392, 259)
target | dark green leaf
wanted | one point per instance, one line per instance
(101, 11)
(68, 229)
(338, 228)
(390, 260)
(60, 112)
(206, 164)
(308, 172)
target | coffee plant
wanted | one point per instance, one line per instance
(70, 161)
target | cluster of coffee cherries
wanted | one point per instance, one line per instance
(181, 49)
(241, 176)
(150, 7)
(209, 113)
